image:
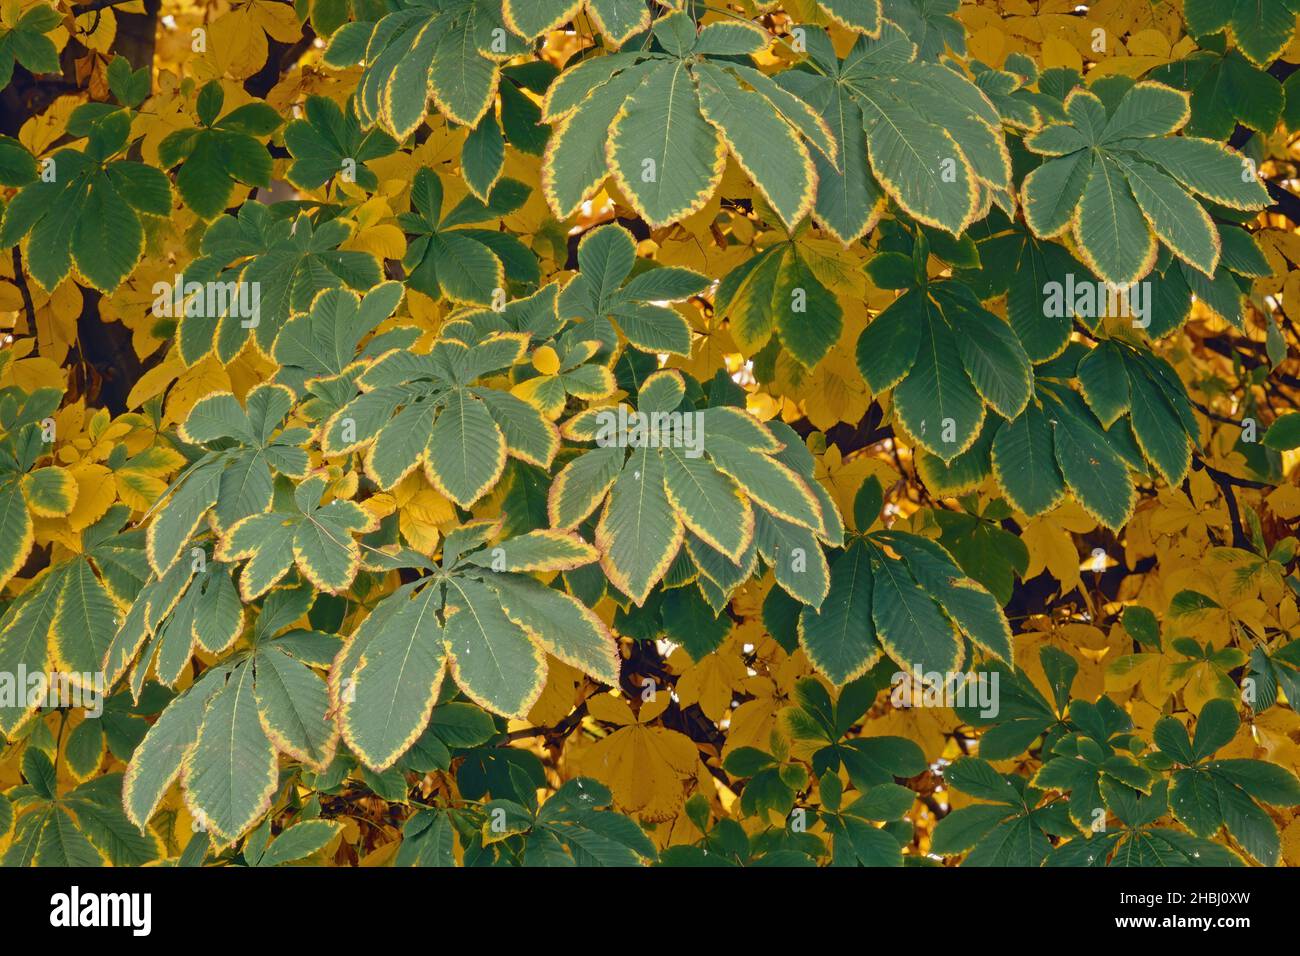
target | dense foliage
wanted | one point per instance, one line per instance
(631, 431)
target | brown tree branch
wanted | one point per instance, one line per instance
(20, 280)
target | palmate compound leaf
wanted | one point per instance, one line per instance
(23, 41)
(328, 142)
(946, 357)
(1207, 795)
(237, 478)
(1128, 397)
(256, 271)
(933, 139)
(89, 214)
(491, 626)
(602, 293)
(916, 607)
(662, 123)
(222, 151)
(570, 356)
(450, 51)
(1014, 261)
(317, 537)
(224, 734)
(849, 200)
(667, 471)
(1175, 286)
(1009, 830)
(84, 826)
(423, 409)
(1131, 413)
(777, 293)
(1117, 176)
(1137, 842)
(322, 342)
(447, 259)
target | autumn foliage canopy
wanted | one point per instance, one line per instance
(630, 432)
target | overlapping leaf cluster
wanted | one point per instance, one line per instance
(615, 400)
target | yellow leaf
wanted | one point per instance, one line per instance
(1059, 53)
(1051, 547)
(645, 767)
(96, 493)
(710, 682)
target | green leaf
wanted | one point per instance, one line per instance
(51, 492)
(180, 516)
(1157, 427)
(1141, 625)
(492, 658)
(564, 626)
(1263, 781)
(98, 809)
(666, 158)
(993, 357)
(970, 606)
(1261, 29)
(1105, 382)
(17, 165)
(1051, 193)
(840, 638)
(1179, 221)
(1216, 725)
(156, 762)
(808, 316)
(709, 503)
(50, 837)
(85, 621)
(292, 703)
(299, 841)
(1112, 235)
(766, 147)
(230, 776)
(483, 156)
(639, 530)
(1093, 471)
(909, 625)
(575, 161)
(863, 17)
(397, 654)
(466, 450)
(936, 401)
(1207, 168)
(1284, 433)
(1146, 110)
(887, 347)
(1025, 464)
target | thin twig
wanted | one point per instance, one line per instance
(1225, 483)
